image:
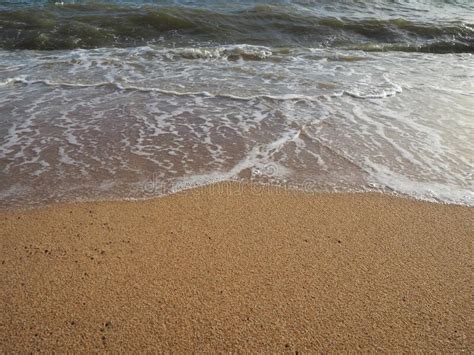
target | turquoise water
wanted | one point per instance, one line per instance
(107, 100)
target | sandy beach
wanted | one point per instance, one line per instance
(238, 268)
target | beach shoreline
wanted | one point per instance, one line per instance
(238, 267)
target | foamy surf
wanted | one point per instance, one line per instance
(340, 103)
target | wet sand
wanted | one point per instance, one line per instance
(238, 268)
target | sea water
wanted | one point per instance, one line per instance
(132, 99)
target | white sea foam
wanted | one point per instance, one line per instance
(232, 52)
(74, 122)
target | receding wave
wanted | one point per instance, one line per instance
(285, 97)
(93, 25)
(435, 47)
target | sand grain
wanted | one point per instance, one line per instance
(226, 268)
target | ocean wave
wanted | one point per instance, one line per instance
(94, 25)
(358, 93)
(441, 47)
(234, 52)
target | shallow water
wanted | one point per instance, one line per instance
(359, 107)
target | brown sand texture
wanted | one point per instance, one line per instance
(238, 268)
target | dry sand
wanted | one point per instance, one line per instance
(225, 268)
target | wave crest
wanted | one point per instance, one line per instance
(94, 25)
